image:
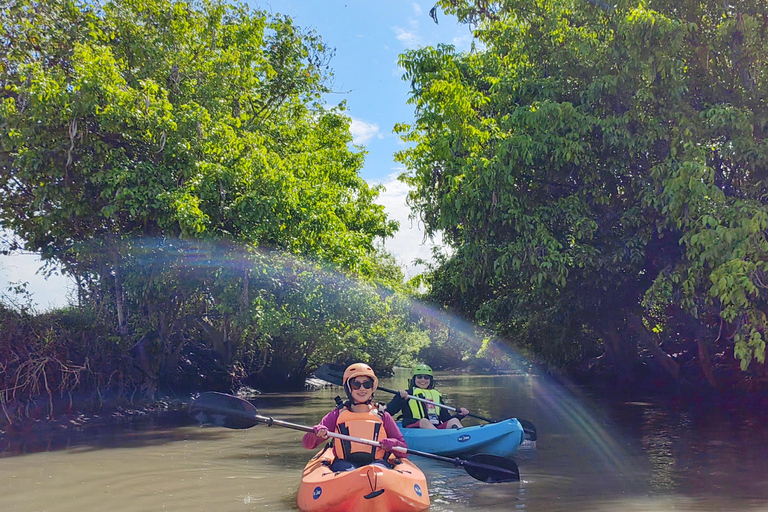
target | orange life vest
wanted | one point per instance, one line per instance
(366, 425)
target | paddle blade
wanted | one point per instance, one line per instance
(491, 469)
(333, 373)
(529, 429)
(223, 410)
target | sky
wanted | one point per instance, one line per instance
(368, 36)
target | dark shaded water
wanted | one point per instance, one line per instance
(593, 453)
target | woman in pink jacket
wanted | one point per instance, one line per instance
(358, 417)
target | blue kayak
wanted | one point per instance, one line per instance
(502, 438)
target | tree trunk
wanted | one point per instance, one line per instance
(245, 298)
(122, 324)
(705, 361)
(649, 340)
(619, 354)
(220, 337)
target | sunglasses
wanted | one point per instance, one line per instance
(356, 384)
(422, 376)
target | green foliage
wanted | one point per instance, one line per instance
(581, 155)
(131, 126)
(149, 118)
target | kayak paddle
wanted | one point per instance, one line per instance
(230, 411)
(334, 374)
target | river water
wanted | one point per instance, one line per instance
(593, 454)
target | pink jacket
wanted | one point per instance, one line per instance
(311, 441)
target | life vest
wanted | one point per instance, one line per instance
(422, 410)
(366, 425)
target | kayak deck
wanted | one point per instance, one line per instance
(371, 488)
(502, 438)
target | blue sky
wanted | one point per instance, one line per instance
(368, 36)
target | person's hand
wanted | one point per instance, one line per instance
(403, 394)
(320, 431)
(464, 411)
(389, 443)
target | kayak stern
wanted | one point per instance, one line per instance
(502, 438)
(372, 488)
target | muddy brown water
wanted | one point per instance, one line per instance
(593, 454)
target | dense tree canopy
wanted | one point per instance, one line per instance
(159, 150)
(169, 118)
(599, 174)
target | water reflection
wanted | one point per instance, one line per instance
(659, 432)
(143, 430)
(707, 452)
(594, 453)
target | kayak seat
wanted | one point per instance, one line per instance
(340, 465)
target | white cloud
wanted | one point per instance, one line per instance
(414, 35)
(408, 243)
(364, 132)
(410, 36)
(407, 37)
(47, 293)
(463, 43)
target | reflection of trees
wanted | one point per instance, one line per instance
(659, 435)
(706, 451)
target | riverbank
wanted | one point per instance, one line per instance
(34, 420)
(84, 413)
(32, 425)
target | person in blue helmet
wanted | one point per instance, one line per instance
(417, 414)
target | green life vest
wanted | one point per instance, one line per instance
(422, 410)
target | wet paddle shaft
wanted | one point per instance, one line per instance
(232, 412)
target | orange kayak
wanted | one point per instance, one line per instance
(371, 488)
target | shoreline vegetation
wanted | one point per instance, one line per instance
(64, 379)
(49, 415)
